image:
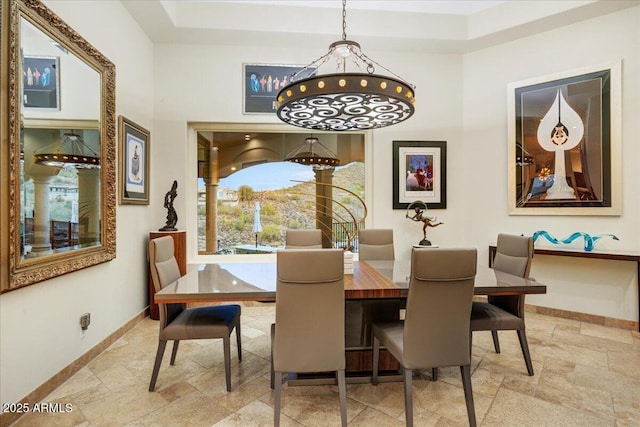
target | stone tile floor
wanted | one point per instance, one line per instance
(585, 375)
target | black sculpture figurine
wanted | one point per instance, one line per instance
(172, 216)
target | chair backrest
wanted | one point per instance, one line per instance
(164, 270)
(514, 254)
(303, 239)
(310, 328)
(438, 314)
(375, 244)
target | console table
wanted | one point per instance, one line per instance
(612, 255)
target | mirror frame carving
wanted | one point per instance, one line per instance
(21, 273)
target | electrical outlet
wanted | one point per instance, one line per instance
(85, 320)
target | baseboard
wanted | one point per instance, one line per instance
(575, 315)
(584, 317)
(39, 394)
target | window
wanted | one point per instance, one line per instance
(248, 196)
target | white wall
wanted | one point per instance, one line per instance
(209, 89)
(460, 99)
(597, 287)
(40, 324)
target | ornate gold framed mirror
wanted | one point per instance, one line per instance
(58, 148)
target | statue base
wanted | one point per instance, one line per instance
(168, 229)
(424, 242)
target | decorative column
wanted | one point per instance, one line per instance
(41, 221)
(88, 206)
(211, 184)
(324, 204)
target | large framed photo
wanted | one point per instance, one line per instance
(564, 143)
(41, 82)
(420, 173)
(262, 82)
(134, 162)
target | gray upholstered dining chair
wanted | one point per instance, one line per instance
(309, 329)
(303, 239)
(375, 244)
(435, 332)
(180, 323)
(506, 312)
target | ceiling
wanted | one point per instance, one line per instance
(417, 26)
(451, 26)
(447, 7)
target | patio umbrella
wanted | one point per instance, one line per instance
(257, 227)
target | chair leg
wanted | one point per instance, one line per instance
(227, 361)
(522, 336)
(496, 342)
(342, 391)
(273, 330)
(156, 366)
(239, 341)
(174, 352)
(434, 374)
(468, 394)
(376, 360)
(276, 405)
(408, 396)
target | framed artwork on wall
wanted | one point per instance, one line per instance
(262, 82)
(420, 173)
(41, 82)
(564, 143)
(134, 162)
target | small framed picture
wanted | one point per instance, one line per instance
(134, 163)
(420, 173)
(262, 83)
(41, 82)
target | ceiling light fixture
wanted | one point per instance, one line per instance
(346, 100)
(71, 151)
(316, 155)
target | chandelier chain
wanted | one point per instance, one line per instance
(364, 58)
(344, 19)
(317, 63)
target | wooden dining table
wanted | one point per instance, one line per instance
(371, 287)
(256, 281)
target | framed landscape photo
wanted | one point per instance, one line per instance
(41, 82)
(420, 173)
(134, 162)
(564, 143)
(262, 82)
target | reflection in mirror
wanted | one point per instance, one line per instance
(61, 160)
(60, 177)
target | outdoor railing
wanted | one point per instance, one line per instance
(343, 231)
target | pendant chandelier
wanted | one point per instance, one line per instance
(71, 151)
(312, 153)
(346, 100)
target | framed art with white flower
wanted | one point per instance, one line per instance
(564, 143)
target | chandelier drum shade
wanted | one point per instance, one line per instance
(71, 151)
(345, 101)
